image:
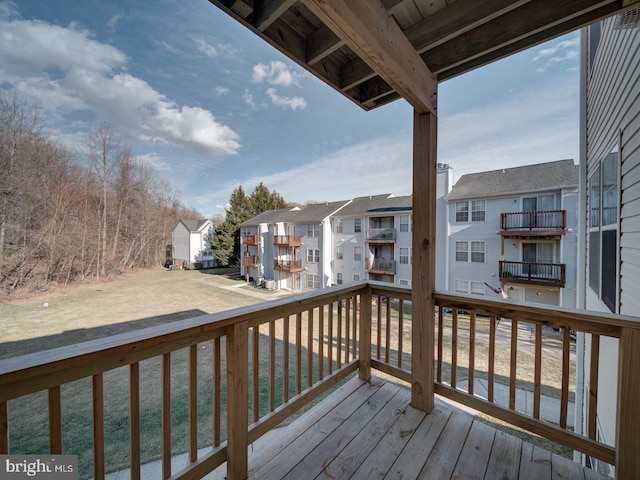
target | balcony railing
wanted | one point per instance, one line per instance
(297, 348)
(384, 267)
(381, 235)
(287, 240)
(543, 222)
(251, 239)
(546, 274)
(250, 261)
(290, 266)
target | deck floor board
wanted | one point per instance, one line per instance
(369, 430)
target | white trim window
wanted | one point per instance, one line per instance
(477, 212)
(313, 230)
(470, 251)
(313, 280)
(462, 212)
(339, 226)
(357, 253)
(313, 255)
(339, 252)
(461, 286)
(404, 283)
(357, 225)
(462, 251)
(603, 239)
(404, 256)
(478, 252)
(477, 288)
(405, 223)
(339, 278)
(356, 277)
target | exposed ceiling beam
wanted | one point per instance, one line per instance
(520, 26)
(367, 28)
(268, 11)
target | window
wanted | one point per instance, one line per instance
(462, 251)
(313, 256)
(477, 288)
(339, 252)
(313, 230)
(357, 253)
(462, 211)
(461, 286)
(339, 278)
(339, 226)
(477, 210)
(405, 223)
(404, 255)
(477, 252)
(357, 225)
(313, 281)
(404, 282)
(603, 204)
(356, 277)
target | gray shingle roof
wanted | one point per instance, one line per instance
(529, 178)
(376, 203)
(315, 212)
(193, 225)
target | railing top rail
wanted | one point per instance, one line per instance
(533, 212)
(41, 370)
(607, 324)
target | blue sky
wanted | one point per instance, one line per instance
(210, 106)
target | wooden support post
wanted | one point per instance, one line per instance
(237, 394)
(365, 335)
(628, 420)
(424, 258)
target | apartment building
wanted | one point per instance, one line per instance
(515, 229)
(191, 243)
(289, 249)
(610, 207)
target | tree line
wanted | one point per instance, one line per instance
(71, 215)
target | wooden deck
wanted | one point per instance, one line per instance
(369, 430)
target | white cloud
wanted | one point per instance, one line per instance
(276, 73)
(113, 22)
(561, 52)
(288, 102)
(167, 46)
(155, 161)
(65, 70)
(219, 91)
(248, 99)
(204, 47)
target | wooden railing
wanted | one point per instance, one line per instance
(549, 220)
(258, 365)
(287, 265)
(549, 274)
(250, 239)
(381, 235)
(382, 266)
(287, 240)
(250, 261)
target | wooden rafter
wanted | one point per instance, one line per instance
(368, 29)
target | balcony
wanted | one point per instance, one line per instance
(287, 240)
(381, 235)
(543, 274)
(290, 266)
(541, 224)
(274, 358)
(250, 261)
(251, 239)
(383, 267)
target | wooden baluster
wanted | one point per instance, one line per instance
(330, 338)
(55, 421)
(321, 343)
(440, 327)
(255, 371)
(492, 357)
(298, 352)
(166, 415)
(98, 427)
(272, 365)
(193, 403)
(4, 428)
(379, 326)
(134, 421)
(364, 372)
(309, 348)
(285, 359)
(387, 347)
(512, 368)
(537, 371)
(339, 339)
(347, 332)
(564, 394)
(217, 391)
(400, 332)
(593, 386)
(454, 348)
(472, 352)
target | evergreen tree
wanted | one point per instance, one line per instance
(226, 242)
